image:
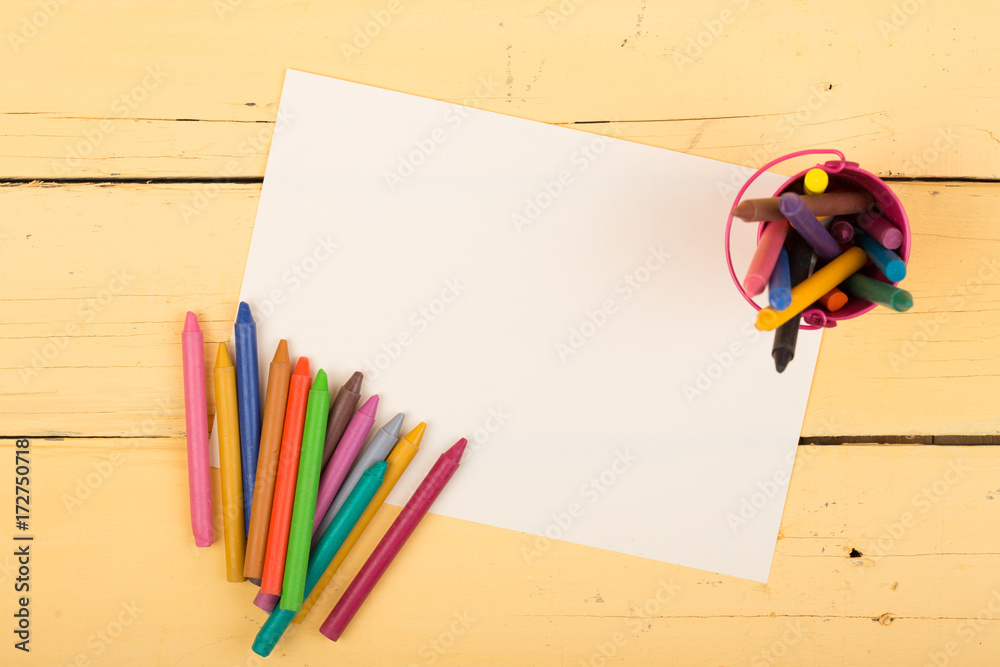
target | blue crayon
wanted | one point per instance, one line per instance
(779, 287)
(808, 227)
(887, 261)
(248, 392)
(325, 550)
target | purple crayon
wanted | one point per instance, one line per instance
(808, 226)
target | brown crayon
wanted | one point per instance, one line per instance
(341, 412)
(278, 377)
(831, 203)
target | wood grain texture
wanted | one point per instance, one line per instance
(191, 88)
(909, 590)
(96, 297)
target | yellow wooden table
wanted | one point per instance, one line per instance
(134, 138)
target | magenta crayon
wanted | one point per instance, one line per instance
(196, 421)
(842, 231)
(248, 388)
(887, 261)
(779, 287)
(884, 231)
(808, 226)
(393, 540)
(343, 456)
(266, 601)
(765, 256)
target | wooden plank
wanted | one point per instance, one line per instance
(909, 591)
(97, 301)
(191, 89)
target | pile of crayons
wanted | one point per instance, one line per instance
(812, 252)
(298, 485)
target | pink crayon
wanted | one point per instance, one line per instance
(393, 540)
(881, 230)
(343, 456)
(765, 257)
(196, 420)
(266, 601)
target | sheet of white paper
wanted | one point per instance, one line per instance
(558, 297)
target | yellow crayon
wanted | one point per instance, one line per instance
(229, 461)
(399, 458)
(812, 288)
(815, 182)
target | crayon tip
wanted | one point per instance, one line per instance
(370, 406)
(378, 470)
(781, 358)
(417, 434)
(191, 322)
(745, 210)
(281, 354)
(243, 314)
(754, 285)
(455, 451)
(354, 384)
(394, 425)
(902, 301)
(222, 359)
(816, 181)
(302, 366)
(789, 203)
(320, 383)
(895, 270)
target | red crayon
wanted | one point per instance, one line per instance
(393, 541)
(284, 486)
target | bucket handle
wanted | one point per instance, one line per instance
(815, 318)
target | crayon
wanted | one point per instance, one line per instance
(381, 444)
(196, 425)
(887, 261)
(829, 203)
(779, 287)
(341, 412)
(248, 385)
(812, 288)
(300, 531)
(319, 559)
(284, 485)
(808, 226)
(879, 292)
(884, 231)
(278, 379)
(400, 530)
(399, 459)
(833, 300)
(815, 182)
(345, 454)
(229, 461)
(800, 263)
(842, 231)
(765, 256)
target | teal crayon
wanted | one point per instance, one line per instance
(359, 498)
(878, 292)
(887, 261)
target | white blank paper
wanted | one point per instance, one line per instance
(558, 297)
